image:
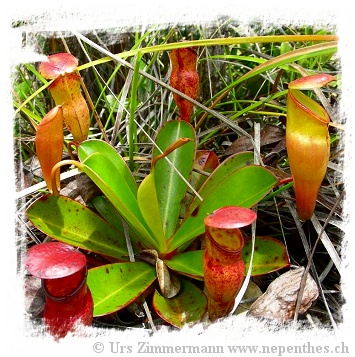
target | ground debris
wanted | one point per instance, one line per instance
(279, 300)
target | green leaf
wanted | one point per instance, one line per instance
(106, 210)
(189, 264)
(149, 206)
(70, 222)
(207, 161)
(170, 187)
(269, 255)
(244, 188)
(109, 213)
(187, 307)
(106, 176)
(114, 286)
(89, 147)
(227, 167)
(115, 174)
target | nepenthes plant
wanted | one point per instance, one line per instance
(160, 238)
(150, 234)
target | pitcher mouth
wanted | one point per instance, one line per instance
(321, 115)
(224, 248)
(68, 296)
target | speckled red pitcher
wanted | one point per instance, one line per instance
(222, 262)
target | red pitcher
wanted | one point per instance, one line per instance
(63, 271)
(222, 262)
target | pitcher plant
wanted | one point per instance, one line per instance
(65, 90)
(63, 272)
(184, 77)
(307, 141)
(223, 264)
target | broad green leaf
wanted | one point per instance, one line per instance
(189, 264)
(170, 187)
(244, 187)
(227, 167)
(269, 255)
(111, 177)
(106, 210)
(105, 175)
(109, 213)
(207, 161)
(89, 147)
(114, 286)
(70, 222)
(149, 206)
(187, 307)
